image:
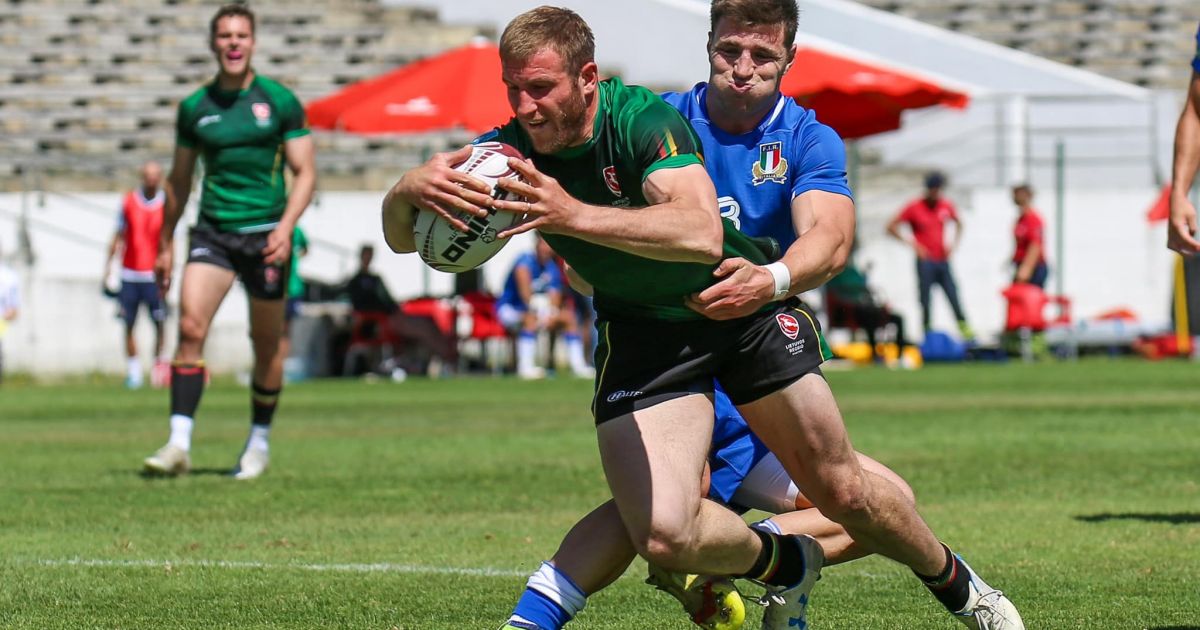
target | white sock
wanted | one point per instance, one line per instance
(133, 368)
(526, 350)
(559, 588)
(181, 431)
(575, 353)
(768, 525)
(258, 437)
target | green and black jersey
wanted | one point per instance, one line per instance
(240, 137)
(635, 134)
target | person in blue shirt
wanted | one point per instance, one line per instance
(778, 172)
(1181, 229)
(532, 301)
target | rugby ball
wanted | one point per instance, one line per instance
(447, 249)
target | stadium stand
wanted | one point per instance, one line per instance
(1144, 42)
(88, 88)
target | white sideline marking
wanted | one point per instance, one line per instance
(378, 567)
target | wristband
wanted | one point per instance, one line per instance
(783, 279)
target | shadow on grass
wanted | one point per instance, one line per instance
(221, 472)
(1176, 518)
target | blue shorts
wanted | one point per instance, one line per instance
(735, 450)
(135, 293)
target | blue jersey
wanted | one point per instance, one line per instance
(1196, 57)
(546, 278)
(757, 175)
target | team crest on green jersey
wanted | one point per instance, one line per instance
(771, 165)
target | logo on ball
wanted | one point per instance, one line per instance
(788, 325)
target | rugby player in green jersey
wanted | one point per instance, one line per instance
(616, 185)
(245, 128)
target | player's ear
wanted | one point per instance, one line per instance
(589, 77)
(791, 57)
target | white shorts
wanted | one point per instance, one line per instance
(767, 487)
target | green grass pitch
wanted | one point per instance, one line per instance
(1073, 487)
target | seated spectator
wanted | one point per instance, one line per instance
(378, 318)
(532, 302)
(852, 304)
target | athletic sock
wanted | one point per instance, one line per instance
(181, 432)
(779, 563)
(575, 352)
(951, 587)
(187, 384)
(133, 369)
(526, 350)
(262, 404)
(550, 600)
(259, 435)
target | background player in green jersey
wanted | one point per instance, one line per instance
(245, 127)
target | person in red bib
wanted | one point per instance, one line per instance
(927, 218)
(1029, 252)
(138, 225)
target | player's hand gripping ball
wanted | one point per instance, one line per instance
(447, 249)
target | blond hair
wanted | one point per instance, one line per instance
(556, 28)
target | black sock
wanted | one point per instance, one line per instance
(780, 563)
(262, 404)
(952, 586)
(187, 384)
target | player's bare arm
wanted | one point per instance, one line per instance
(1029, 263)
(681, 224)
(824, 222)
(437, 186)
(301, 161)
(176, 191)
(893, 230)
(1182, 226)
(583, 287)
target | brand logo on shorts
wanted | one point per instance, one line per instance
(200, 251)
(788, 325)
(619, 394)
(610, 180)
(262, 114)
(271, 276)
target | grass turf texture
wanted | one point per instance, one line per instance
(1072, 487)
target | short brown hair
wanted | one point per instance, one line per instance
(560, 29)
(230, 10)
(758, 12)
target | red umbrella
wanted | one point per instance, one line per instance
(458, 88)
(859, 99)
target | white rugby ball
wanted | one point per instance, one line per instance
(447, 249)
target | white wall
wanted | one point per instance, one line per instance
(66, 324)
(1113, 257)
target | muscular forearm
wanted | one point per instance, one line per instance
(398, 220)
(668, 231)
(1187, 147)
(303, 184)
(816, 257)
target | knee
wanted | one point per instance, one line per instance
(192, 329)
(847, 500)
(662, 543)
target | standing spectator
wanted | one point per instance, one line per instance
(248, 130)
(138, 226)
(927, 218)
(1029, 253)
(532, 301)
(1181, 229)
(10, 303)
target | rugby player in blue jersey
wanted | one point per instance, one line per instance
(779, 173)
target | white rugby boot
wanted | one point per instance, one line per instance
(168, 460)
(252, 464)
(712, 602)
(787, 608)
(987, 608)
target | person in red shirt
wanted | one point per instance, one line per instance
(927, 218)
(138, 225)
(1029, 253)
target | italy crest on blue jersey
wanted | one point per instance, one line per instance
(757, 174)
